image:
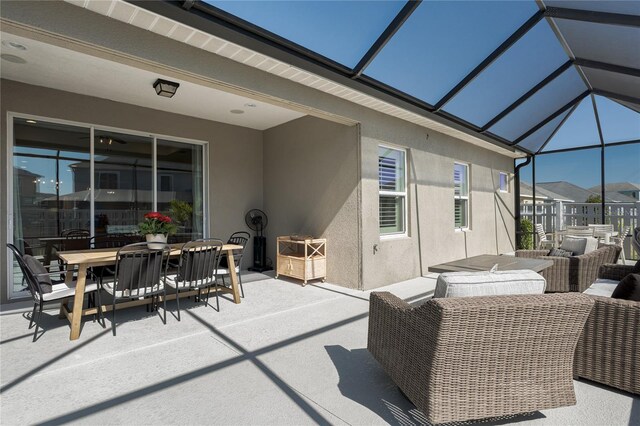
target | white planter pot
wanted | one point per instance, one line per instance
(156, 241)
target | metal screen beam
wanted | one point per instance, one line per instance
(552, 116)
(618, 96)
(384, 38)
(605, 66)
(524, 28)
(527, 95)
(564, 120)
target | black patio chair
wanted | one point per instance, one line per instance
(239, 238)
(44, 288)
(197, 269)
(140, 272)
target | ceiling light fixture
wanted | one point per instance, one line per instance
(13, 58)
(250, 105)
(165, 88)
(31, 121)
(236, 111)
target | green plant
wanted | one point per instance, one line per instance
(594, 199)
(156, 223)
(526, 234)
(180, 210)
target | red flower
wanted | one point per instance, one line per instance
(153, 215)
(165, 219)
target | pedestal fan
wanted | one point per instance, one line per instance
(257, 221)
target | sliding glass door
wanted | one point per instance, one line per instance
(74, 177)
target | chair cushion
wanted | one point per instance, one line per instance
(40, 272)
(602, 287)
(560, 252)
(174, 281)
(63, 290)
(579, 245)
(636, 267)
(628, 289)
(225, 271)
(133, 293)
(485, 283)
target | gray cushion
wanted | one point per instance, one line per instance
(579, 245)
(602, 287)
(40, 273)
(560, 253)
(467, 284)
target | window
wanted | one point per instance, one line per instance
(392, 190)
(504, 182)
(461, 195)
(108, 180)
(165, 182)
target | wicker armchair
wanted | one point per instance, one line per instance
(575, 273)
(460, 358)
(608, 351)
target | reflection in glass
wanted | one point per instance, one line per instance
(123, 181)
(47, 198)
(180, 183)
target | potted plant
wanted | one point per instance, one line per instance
(156, 228)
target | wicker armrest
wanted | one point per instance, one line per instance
(612, 271)
(608, 351)
(584, 268)
(531, 254)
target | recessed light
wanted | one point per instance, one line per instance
(13, 58)
(250, 105)
(32, 121)
(236, 111)
(13, 45)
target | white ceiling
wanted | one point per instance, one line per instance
(63, 69)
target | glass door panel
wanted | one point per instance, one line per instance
(123, 180)
(180, 187)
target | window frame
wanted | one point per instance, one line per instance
(508, 186)
(467, 198)
(403, 194)
(114, 173)
(160, 176)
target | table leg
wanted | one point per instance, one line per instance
(48, 253)
(78, 300)
(234, 277)
(61, 314)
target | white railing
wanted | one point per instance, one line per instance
(557, 215)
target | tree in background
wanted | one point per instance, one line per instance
(594, 199)
(526, 236)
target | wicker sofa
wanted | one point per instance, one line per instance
(608, 351)
(462, 358)
(575, 273)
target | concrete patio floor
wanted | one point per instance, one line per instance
(286, 355)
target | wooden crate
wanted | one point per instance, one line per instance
(302, 259)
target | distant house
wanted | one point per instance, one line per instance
(627, 189)
(542, 194)
(570, 191)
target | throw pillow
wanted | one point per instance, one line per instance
(592, 245)
(628, 288)
(636, 268)
(40, 273)
(560, 252)
(574, 244)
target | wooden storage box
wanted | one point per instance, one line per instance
(302, 259)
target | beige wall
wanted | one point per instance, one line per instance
(311, 188)
(233, 151)
(431, 190)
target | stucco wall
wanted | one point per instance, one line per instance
(311, 187)
(235, 153)
(431, 238)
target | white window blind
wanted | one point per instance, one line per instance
(392, 190)
(461, 195)
(504, 182)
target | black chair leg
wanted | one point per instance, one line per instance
(241, 288)
(113, 318)
(217, 299)
(164, 303)
(178, 302)
(100, 313)
(33, 315)
(35, 333)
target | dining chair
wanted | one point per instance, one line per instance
(543, 241)
(238, 238)
(197, 269)
(619, 241)
(579, 231)
(140, 272)
(44, 288)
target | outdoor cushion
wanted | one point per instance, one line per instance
(485, 283)
(636, 267)
(225, 271)
(628, 289)
(559, 252)
(40, 273)
(579, 245)
(60, 291)
(602, 287)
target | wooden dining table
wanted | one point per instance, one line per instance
(85, 259)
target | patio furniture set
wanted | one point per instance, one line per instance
(492, 344)
(133, 275)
